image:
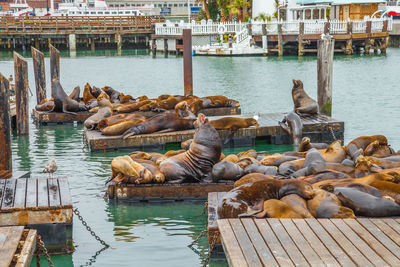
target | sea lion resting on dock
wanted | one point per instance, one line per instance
(105, 110)
(233, 123)
(196, 163)
(293, 125)
(62, 103)
(75, 93)
(357, 146)
(303, 103)
(45, 105)
(306, 145)
(217, 101)
(116, 118)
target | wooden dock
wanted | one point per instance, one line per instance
(13, 174)
(318, 127)
(164, 192)
(43, 204)
(51, 118)
(311, 242)
(17, 246)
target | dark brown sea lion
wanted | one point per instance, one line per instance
(226, 170)
(62, 103)
(322, 176)
(131, 107)
(113, 94)
(375, 149)
(274, 208)
(45, 105)
(196, 163)
(298, 204)
(326, 205)
(166, 122)
(252, 195)
(303, 103)
(293, 125)
(364, 204)
(306, 145)
(75, 93)
(212, 102)
(289, 167)
(105, 110)
(116, 118)
(120, 127)
(361, 187)
(87, 95)
(362, 142)
(233, 124)
(95, 91)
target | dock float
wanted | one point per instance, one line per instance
(13, 175)
(51, 118)
(43, 204)
(17, 246)
(164, 192)
(311, 242)
(319, 128)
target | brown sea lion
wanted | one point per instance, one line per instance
(126, 99)
(243, 162)
(381, 162)
(165, 104)
(140, 155)
(314, 163)
(362, 142)
(289, 167)
(75, 93)
(87, 95)
(303, 103)
(126, 170)
(131, 107)
(322, 176)
(172, 153)
(233, 123)
(118, 128)
(249, 153)
(251, 178)
(335, 153)
(157, 176)
(274, 208)
(165, 122)
(226, 170)
(306, 145)
(62, 103)
(298, 204)
(186, 144)
(276, 159)
(116, 118)
(196, 163)
(375, 149)
(182, 110)
(327, 205)
(141, 98)
(232, 158)
(251, 196)
(105, 110)
(293, 125)
(113, 94)
(45, 105)
(95, 91)
(212, 102)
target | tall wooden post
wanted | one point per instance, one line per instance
(5, 125)
(280, 40)
(54, 65)
(325, 70)
(40, 77)
(300, 40)
(187, 61)
(21, 94)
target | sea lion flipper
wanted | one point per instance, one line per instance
(284, 127)
(66, 111)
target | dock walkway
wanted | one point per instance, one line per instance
(311, 242)
(318, 127)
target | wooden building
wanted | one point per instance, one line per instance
(354, 9)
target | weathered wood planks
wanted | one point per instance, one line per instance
(311, 242)
(54, 65)
(40, 77)
(319, 128)
(21, 94)
(5, 125)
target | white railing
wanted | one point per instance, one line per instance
(359, 26)
(242, 36)
(314, 27)
(290, 27)
(376, 25)
(338, 26)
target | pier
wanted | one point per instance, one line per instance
(311, 242)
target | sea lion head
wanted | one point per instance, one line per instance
(297, 84)
(83, 107)
(201, 120)
(298, 187)
(252, 122)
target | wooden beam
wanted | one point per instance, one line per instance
(21, 94)
(187, 62)
(325, 70)
(40, 77)
(5, 126)
(54, 65)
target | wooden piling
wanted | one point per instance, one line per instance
(154, 46)
(54, 65)
(325, 70)
(5, 125)
(166, 46)
(21, 94)
(40, 77)
(187, 62)
(300, 40)
(280, 40)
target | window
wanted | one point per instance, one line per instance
(93, 13)
(107, 13)
(100, 12)
(79, 12)
(114, 12)
(127, 12)
(170, 5)
(185, 4)
(111, 5)
(120, 12)
(191, 4)
(86, 12)
(181, 5)
(175, 5)
(72, 12)
(159, 5)
(165, 5)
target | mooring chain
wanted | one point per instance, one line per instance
(42, 247)
(84, 223)
(204, 210)
(198, 238)
(332, 132)
(212, 245)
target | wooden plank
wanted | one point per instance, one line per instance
(65, 195)
(320, 248)
(344, 243)
(54, 65)
(8, 195)
(2, 186)
(40, 77)
(8, 248)
(234, 254)
(308, 252)
(287, 242)
(20, 194)
(26, 254)
(273, 243)
(390, 232)
(257, 240)
(31, 193)
(244, 242)
(365, 248)
(21, 93)
(5, 126)
(54, 193)
(42, 193)
(395, 224)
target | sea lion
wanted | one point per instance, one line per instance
(385, 163)
(45, 105)
(306, 145)
(140, 155)
(95, 91)
(226, 170)
(276, 159)
(298, 204)
(105, 110)
(293, 125)
(232, 158)
(186, 144)
(335, 153)
(233, 123)
(166, 122)
(251, 196)
(327, 205)
(113, 94)
(249, 153)
(257, 167)
(87, 95)
(172, 153)
(289, 167)
(120, 127)
(131, 107)
(243, 162)
(322, 176)
(353, 148)
(126, 170)
(62, 103)
(364, 204)
(196, 163)
(251, 178)
(165, 104)
(157, 176)
(212, 102)
(182, 109)
(116, 118)
(375, 149)
(314, 163)
(303, 103)
(125, 99)
(274, 208)
(75, 93)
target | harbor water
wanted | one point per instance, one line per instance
(365, 97)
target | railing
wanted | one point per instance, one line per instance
(242, 36)
(65, 24)
(338, 26)
(314, 27)
(359, 26)
(376, 25)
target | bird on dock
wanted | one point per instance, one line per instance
(51, 167)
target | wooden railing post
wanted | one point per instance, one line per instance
(325, 70)
(54, 65)
(187, 62)
(21, 94)
(5, 125)
(385, 26)
(349, 27)
(40, 77)
(368, 29)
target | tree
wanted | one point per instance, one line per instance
(275, 15)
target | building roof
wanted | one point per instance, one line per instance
(337, 2)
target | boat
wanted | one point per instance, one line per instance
(393, 9)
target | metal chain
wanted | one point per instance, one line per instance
(333, 134)
(212, 245)
(42, 247)
(198, 238)
(204, 210)
(76, 212)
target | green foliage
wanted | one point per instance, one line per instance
(328, 13)
(263, 17)
(276, 4)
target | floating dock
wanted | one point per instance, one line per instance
(311, 242)
(51, 118)
(13, 175)
(43, 204)
(17, 246)
(319, 128)
(164, 192)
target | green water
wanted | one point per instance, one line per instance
(365, 97)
